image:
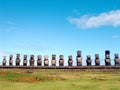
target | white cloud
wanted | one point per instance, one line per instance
(2, 53)
(111, 18)
(115, 36)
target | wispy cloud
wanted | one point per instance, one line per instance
(111, 18)
(115, 36)
(5, 53)
(11, 23)
(2, 53)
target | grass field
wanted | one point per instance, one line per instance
(54, 79)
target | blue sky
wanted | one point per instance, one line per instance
(60, 27)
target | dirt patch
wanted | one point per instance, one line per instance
(56, 78)
(25, 79)
(98, 78)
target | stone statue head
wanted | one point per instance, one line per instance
(61, 57)
(78, 53)
(25, 57)
(107, 56)
(31, 56)
(70, 57)
(46, 57)
(4, 57)
(88, 57)
(18, 56)
(116, 55)
(11, 56)
(97, 56)
(107, 52)
(53, 57)
(39, 57)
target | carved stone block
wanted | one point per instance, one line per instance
(18, 60)
(4, 61)
(79, 58)
(70, 60)
(107, 58)
(46, 60)
(39, 60)
(53, 61)
(61, 60)
(117, 59)
(32, 60)
(11, 60)
(25, 60)
(97, 60)
(88, 60)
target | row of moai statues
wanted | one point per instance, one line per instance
(61, 60)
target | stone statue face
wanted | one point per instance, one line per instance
(46, 57)
(18, 56)
(61, 57)
(97, 56)
(88, 57)
(53, 57)
(116, 55)
(70, 57)
(79, 53)
(39, 57)
(31, 56)
(25, 56)
(107, 56)
(4, 57)
(11, 56)
(107, 52)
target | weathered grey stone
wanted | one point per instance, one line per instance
(79, 58)
(107, 58)
(53, 61)
(61, 60)
(88, 60)
(18, 60)
(4, 61)
(97, 60)
(117, 59)
(11, 60)
(46, 60)
(39, 60)
(70, 60)
(32, 60)
(25, 60)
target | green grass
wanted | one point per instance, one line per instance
(54, 79)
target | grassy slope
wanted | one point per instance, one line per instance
(58, 80)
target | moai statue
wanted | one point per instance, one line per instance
(79, 58)
(97, 60)
(61, 60)
(107, 58)
(11, 60)
(39, 60)
(53, 61)
(18, 60)
(32, 60)
(46, 60)
(25, 60)
(4, 61)
(70, 60)
(89, 60)
(117, 59)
